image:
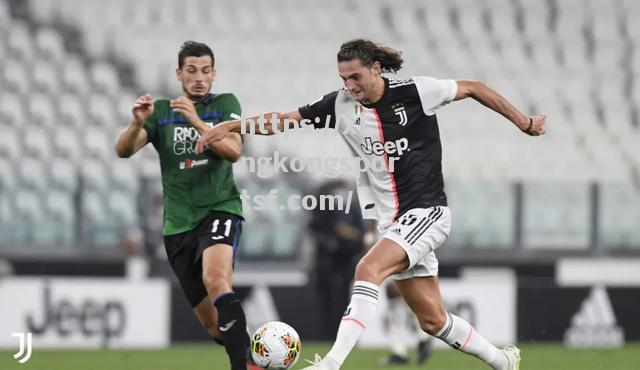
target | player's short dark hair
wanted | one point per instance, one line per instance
(194, 49)
(368, 52)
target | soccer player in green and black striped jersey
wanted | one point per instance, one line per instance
(202, 206)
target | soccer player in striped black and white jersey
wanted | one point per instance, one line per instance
(395, 120)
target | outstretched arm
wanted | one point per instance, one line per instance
(263, 124)
(488, 97)
(229, 146)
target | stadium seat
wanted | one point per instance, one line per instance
(67, 143)
(535, 17)
(101, 230)
(102, 112)
(8, 177)
(44, 10)
(15, 76)
(61, 216)
(20, 41)
(98, 143)
(123, 176)
(63, 175)
(3, 48)
(50, 44)
(95, 177)
(105, 78)
(74, 76)
(94, 207)
(5, 15)
(28, 215)
(556, 215)
(604, 18)
(615, 231)
(12, 110)
(42, 111)
(36, 142)
(124, 105)
(482, 213)
(7, 219)
(32, 175)
(10, 143)
(45, 77)
(72, 111)
(123, 206)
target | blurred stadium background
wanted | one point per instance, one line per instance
(546, 238)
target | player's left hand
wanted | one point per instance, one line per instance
(216, 133)
(185, 106)
(537, 126)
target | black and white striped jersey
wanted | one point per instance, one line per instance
(402, 130)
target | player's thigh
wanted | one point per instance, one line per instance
(422, 294)
(182, 258)
(217, 244)
(217, 262)
(384, 259)
(420, 231)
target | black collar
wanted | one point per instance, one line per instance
(205, 100)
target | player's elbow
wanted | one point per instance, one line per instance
(122, 153)
(232, 155)
(469, 88)
(234, 158)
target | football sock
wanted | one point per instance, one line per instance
(460, 335)
(358, 315)
(233, 329)
(397, 317)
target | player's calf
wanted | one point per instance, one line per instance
(232, 325)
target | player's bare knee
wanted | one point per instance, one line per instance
(367, 271)
(216, 282)
(432, 324)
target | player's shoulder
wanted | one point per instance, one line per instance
(161, 103)
(396, 83)
(161, 106)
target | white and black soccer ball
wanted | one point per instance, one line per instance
(275, 346)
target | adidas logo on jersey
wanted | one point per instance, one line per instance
(594, 325)
(390, 147)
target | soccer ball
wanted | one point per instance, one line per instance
(275, 346)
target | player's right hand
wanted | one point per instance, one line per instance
(216, 133)
(142, 109)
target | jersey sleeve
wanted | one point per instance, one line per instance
(151, 126)
(435, 93)
(231, 109)
(322, 112)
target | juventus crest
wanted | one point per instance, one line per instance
(402, 113)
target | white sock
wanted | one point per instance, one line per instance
(358, 315)
(397, 316)
(460, 335)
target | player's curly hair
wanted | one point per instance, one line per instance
(368, 52)
(194, 49)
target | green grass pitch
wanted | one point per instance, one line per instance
(212, 357)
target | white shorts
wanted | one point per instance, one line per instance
(420, 232)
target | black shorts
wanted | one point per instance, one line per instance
(185, 250)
